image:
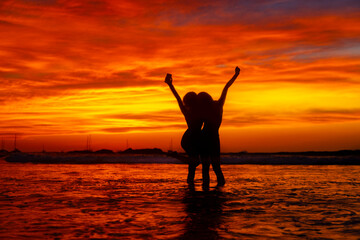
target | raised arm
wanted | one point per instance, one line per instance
(168, 80)
(228, 84)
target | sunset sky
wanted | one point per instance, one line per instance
(70, 69)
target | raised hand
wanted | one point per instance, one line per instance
(168, 79)
(237, 70)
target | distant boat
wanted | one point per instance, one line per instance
(81, 151)
(143, 151)
(107, 151)
(3, 152)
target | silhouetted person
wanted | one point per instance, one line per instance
(212, 112)
(190, 141)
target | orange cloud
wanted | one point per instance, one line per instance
(97, 67)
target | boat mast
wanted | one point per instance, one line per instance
(15, 142)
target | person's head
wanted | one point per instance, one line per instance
(205, 103)
(190, 100)
(205, 99)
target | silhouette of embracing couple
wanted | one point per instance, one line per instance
(201, 141)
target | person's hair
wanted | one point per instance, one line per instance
(190, 99)
(205, 98)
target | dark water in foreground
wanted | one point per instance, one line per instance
(146, 201)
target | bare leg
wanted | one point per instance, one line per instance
(191, 171)
(205, 173)
(215, 162)
(192, 161)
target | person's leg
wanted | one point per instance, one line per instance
(191, 174)
(191, 170)
(205, 172)
(215, 162)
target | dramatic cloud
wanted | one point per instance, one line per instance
(97, 67)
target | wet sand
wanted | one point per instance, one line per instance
(146, 201)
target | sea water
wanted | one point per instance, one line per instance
(153, 201)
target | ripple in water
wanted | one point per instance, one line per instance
(126, 201)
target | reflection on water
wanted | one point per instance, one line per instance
(146, 201)
(204, 212)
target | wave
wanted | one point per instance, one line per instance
(272, 159)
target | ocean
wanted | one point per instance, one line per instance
(153, 201)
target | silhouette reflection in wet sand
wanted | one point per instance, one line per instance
(202, 143)
(204, 214)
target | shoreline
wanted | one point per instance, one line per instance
(175, 158)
